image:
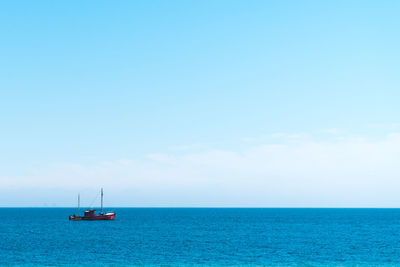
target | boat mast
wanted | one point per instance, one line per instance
(79, 203)
(102, 201)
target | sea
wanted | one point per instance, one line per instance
(202, 237)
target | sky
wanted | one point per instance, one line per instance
(200, 103)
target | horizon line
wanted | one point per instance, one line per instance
(200, 207)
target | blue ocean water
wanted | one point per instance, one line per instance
(202, 236)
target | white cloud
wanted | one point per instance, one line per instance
(347, 172)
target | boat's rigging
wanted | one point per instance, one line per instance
(95, 199)
(101, 201)
(79, 203)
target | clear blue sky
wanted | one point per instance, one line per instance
(86, 82)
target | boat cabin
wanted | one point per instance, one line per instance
(89, 213)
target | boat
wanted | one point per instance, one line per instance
(90, 214)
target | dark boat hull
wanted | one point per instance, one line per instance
(108, 217)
